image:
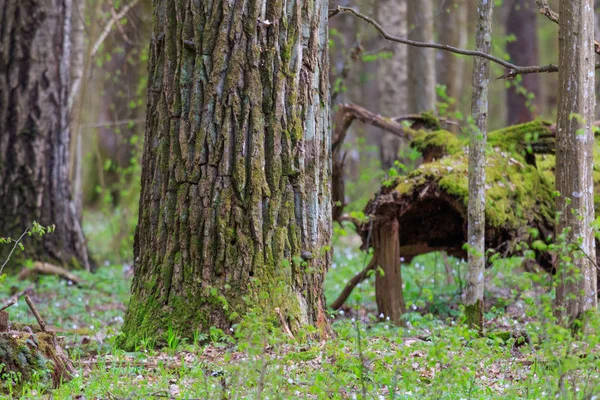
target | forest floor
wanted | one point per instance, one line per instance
(434, 356)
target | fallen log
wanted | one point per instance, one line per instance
(42, 268)
(430, 203)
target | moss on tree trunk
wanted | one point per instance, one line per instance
(235, 207)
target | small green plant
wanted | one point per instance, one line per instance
(173, 339)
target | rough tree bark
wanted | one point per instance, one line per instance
(576, 291)
(34, 124)
(392, 77)
(453, 31)
(522, 23)
(236, 170)
(477, 145)
(421, 67)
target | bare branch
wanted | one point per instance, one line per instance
(513, 70)
(546, 10)
(553, 16)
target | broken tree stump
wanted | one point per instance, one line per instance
(26, 352)
(388, 282)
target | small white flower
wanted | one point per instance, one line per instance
(353, 320)
(341, 312)
(387, 318)
(386, 326)
(231, 329)
(290, 381)
(381, 315)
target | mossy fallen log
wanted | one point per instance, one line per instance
(430, 203)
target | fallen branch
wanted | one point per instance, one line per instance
(48, 269)
(513, 70)
(35, 312)
(358, 278)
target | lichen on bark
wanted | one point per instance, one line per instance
(235, 177)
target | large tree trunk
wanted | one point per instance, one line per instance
(421, 67)
(477, 144)
(391, 78)
(522, 23)
(34, 131)
(576, 291)
(235, 208)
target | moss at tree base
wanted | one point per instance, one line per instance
(474, 316)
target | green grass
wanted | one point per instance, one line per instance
(435, 357)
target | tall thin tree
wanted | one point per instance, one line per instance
(477, 145)
(421, 62)
(522, 98)
(576, 290)
(391, 77)
(235, 206)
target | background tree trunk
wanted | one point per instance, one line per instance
(421, 68)
(453, 31)
(78, 51)
(34, 124)
(576, 291)
(477, 144)
(392, 77)
(522, 23)
(235, 207)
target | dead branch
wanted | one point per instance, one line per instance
(9, 304)
(48, 269)
(546, 10)
(284, 324)
(35, 312)
(553, 16)
(513, 70)
(345, 115)
(356, 279)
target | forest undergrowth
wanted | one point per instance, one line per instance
(522, 355)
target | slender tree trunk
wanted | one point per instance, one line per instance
(522, 23)
(576, 290)
(392, 77)
(34, 124)
(235, 207)
(477, 144)
(421, 67)
(75, 98)
(453, 31)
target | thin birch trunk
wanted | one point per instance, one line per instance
(477, 145)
